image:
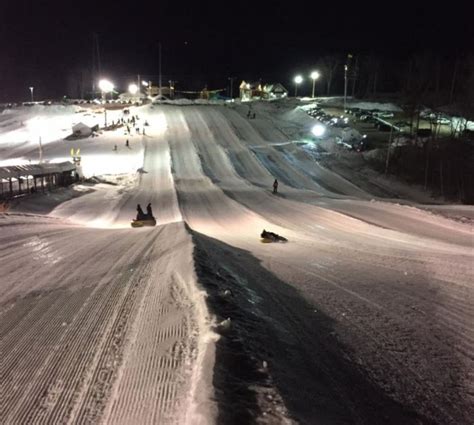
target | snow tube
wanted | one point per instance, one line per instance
(143, 223)
(270, 240)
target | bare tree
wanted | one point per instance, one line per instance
(328, 65)
(370, 66)
(453, 80)
(355, 74)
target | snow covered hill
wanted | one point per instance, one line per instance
(364, 316)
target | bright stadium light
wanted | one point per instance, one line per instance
(298, 80)
(318, 130)
(106, 86)
(314, 76)
(133, 89)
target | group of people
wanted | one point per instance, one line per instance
(142, 216)
(137, 130)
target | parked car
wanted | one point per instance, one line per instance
(441, 120)
(384, 127)
(340, 141)
(353, 111)
(384, 114)
(424, 132)
(361, 145)
(402, 124)
(367, 117)
(427, 114)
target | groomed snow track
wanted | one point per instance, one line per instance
(364, 317)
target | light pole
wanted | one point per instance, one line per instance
(31, 90)
(345, 86)
(105, 87)
(314, 76)
(159, 48)
(148, 85)
(298, 80)
(231, 79)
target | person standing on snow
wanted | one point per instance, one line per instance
(127, 144)
(275, 186)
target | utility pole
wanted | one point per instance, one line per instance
(231, 87)
(345, 86)
(346, 68)
(159, 53)
(31, 90)
(96, 66)
(453, 80)
(354, 74)
(388, 150)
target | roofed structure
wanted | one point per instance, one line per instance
(20, 179)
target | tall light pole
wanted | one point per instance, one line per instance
(159, 51)
(31, 90)
(314, 76)
(298, 80)
(105, 87)
(231, 79)
(345, 86)
(148, 85)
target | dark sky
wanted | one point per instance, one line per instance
(43, 41)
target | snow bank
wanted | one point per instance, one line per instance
(186, 102)
(339, 102)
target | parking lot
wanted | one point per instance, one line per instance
(377, 125)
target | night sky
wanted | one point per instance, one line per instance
(42, 42)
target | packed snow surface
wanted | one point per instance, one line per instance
(364, 316)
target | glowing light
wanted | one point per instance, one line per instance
(315, 75)
(318, 130)
(106, 86)
(298, 79)
(145, 83)
(133, 89)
